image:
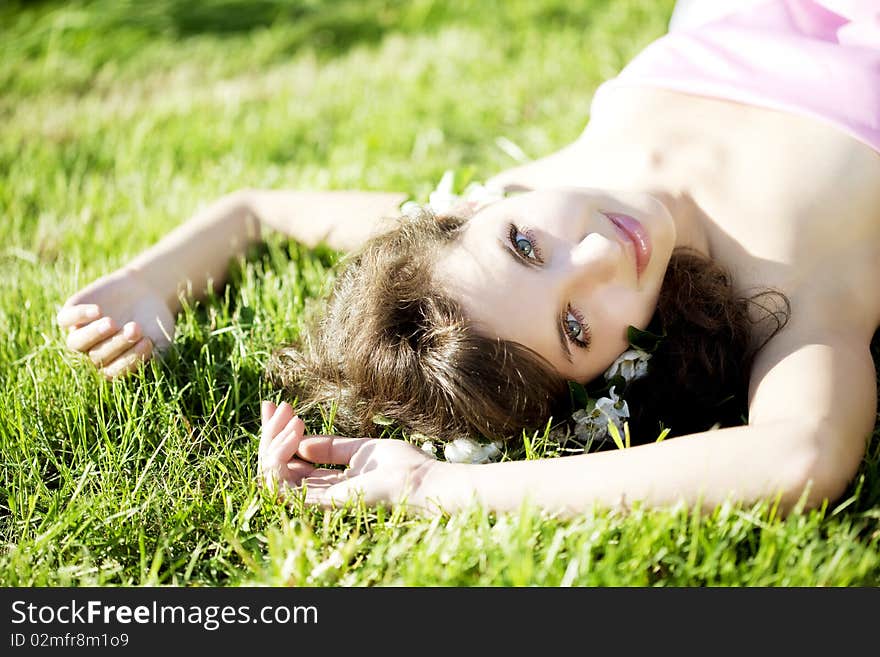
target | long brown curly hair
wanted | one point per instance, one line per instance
(392, 343)
(699, 374)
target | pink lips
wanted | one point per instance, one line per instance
(635, 233)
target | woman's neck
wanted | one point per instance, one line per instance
(689, 219)
(644, 173)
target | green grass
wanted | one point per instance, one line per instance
(120, 119)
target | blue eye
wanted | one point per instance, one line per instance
(524, 244)
(575, 328)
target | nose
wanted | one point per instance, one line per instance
(593, 260)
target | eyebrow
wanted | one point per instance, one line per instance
(563, 342)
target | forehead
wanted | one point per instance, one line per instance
(476, 270)
(503, 298)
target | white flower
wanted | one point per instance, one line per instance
(512, 149)
(478, 194)
(631, 365)
(426, 443)
(444, 200)
(411, 209)
(466, 450)
(593, 423)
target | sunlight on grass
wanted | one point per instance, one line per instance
(122, 118)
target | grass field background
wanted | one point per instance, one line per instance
(120, 119)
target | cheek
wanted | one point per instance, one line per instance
(609, 323)
(617, 308)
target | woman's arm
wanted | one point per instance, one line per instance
(121, 318)
(813, 406)
(199, 251)
(344, 220)
(747, 463)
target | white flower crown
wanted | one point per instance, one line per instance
(444, 200)
(592, 422)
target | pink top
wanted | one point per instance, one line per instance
(819, 59)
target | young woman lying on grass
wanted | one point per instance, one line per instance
(725, 195)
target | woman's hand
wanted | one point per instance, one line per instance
(379, 471)
(280, 437)
(119, 321)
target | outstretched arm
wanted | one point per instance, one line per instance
(199, 251)
(121, 318)
(812, 409)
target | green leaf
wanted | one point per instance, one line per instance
(382, 421)
(463, 177)
(618, 382)
(578, 394)
(644, 340)
(530, 454)
(615, 434)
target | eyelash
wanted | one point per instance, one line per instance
(584, 342)
(512, 232)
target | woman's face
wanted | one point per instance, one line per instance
(562, 271)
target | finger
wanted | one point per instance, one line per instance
(315, 486)
(77, 315)
(289, 474)
(84, 338)
(280, 417)
(277, 446)
(114, 346)
(335, 495)
(267, 410)
(330, 449)
(284, 446)
(130, 360)
(324, 477)
(295, 472)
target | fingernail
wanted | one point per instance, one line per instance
(105, 324)
(128, 330)
(93, 312)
